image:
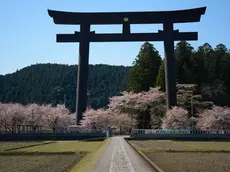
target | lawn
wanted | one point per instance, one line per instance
(184, 156)
(14, 145)
(64, 146)
(37, 163)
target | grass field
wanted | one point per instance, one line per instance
(64, 146)
(184, 156)
(50, 157)
(4, 146)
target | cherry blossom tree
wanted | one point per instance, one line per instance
(176, 118)
(106, 119)
(138, 105)
(55, 115)
(96, 119)
(3, 116)
(36, 116)
(66, 120)
(137, 101)
(217, 118)
(12, 116)
(122, 121)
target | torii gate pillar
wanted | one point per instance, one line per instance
(170, 65)
(83, 63)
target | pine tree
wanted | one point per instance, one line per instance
(146, 66)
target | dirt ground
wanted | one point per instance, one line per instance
(191, 161)
(164, 144)
(181, 145)
(38, 163)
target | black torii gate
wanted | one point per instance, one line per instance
(85, 36)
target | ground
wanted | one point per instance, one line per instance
(40, 156)
(118, 156)
(13, 145)
(114, 155)
(38, 163)
(180, 156)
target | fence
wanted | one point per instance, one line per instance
(79, 134)
(180, 134)
(160, 131)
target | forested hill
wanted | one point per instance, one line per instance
(55, 83)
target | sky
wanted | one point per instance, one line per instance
(28, 34)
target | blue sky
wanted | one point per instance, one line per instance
(28, 34)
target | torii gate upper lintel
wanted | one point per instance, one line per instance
(85, 36)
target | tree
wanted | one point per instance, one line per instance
(176, 118)
(138, 105)
(36, 116)
(96, 119)
(146, 66)
(217, 118)
(161, 77)
(124, 122)
(55, 116)
(183, 53)
(106, 119)
(157, 113)
(12, 116)
(56, 84)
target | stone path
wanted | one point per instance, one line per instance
(118, 156)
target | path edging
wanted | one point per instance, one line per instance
(153, 165)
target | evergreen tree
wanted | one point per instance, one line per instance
(56, 84)
(146, 66)
(161, 77)
(183, 54)
(198, 66)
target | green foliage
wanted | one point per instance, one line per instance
(207, 67)
(146, 66)
(161, 77)
(183, 54)
(54, 83)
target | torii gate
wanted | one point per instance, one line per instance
(85, 36)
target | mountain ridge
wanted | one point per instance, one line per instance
(41, 83)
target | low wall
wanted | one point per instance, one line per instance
(48, 136)
(181, 136)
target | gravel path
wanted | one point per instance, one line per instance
(120, 157)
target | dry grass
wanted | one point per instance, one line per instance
(184, 156)
(36, 163)
(190, 161)
(168, 145)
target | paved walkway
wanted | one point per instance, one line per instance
(118, 156)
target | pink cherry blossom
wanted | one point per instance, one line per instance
(176, 118)
(217, 118)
